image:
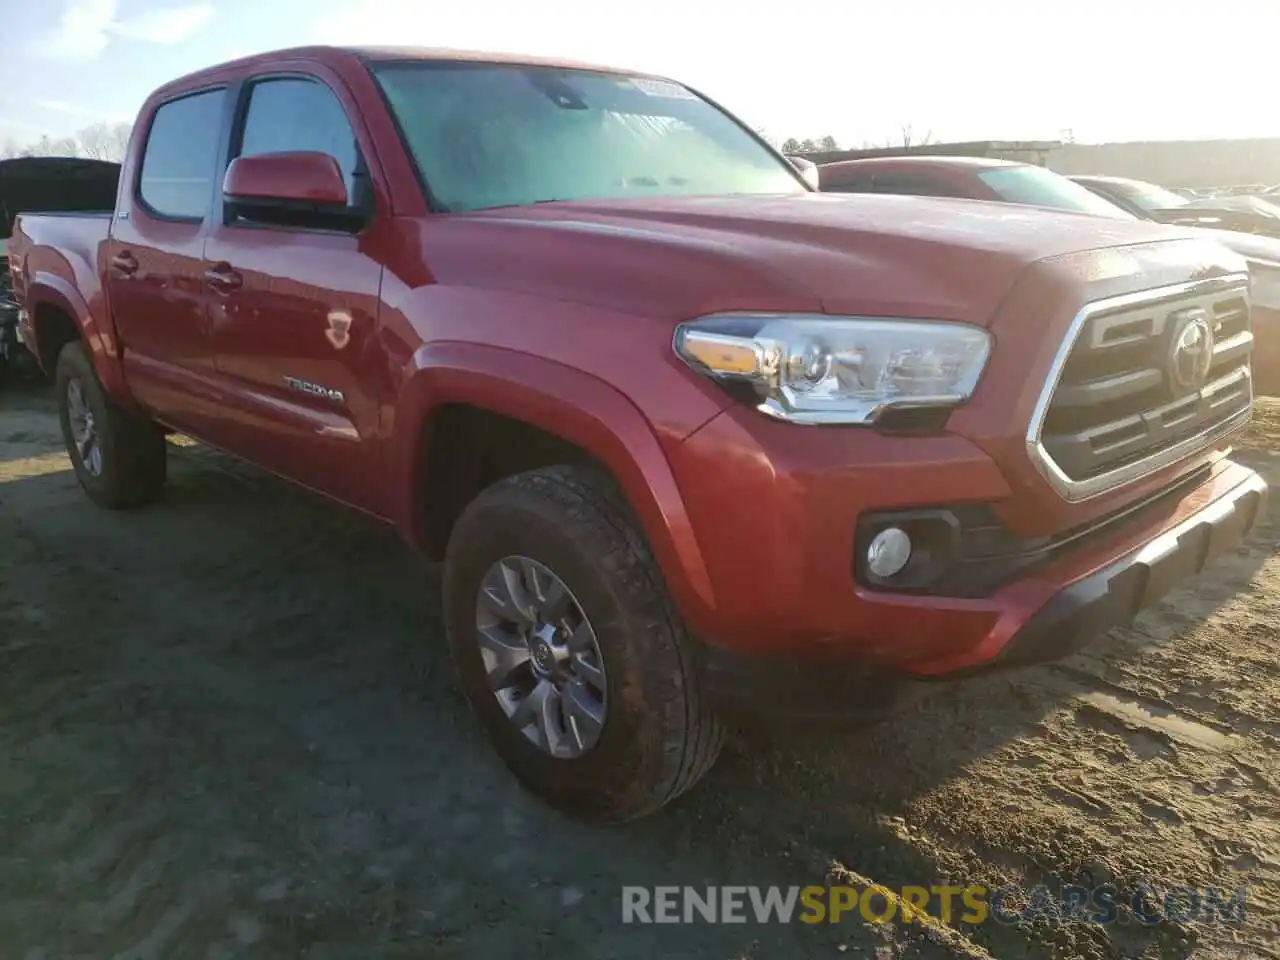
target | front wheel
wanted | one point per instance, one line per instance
(570, 650)
(119, 457)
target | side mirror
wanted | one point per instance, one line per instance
(807, 168)
(289, 188)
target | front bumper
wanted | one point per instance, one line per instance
(1091, 595)
(1113, 595)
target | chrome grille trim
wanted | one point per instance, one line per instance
(1179, 297)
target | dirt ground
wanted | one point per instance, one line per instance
(228, 728)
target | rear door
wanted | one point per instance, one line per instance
(294, 310)
(154, 261)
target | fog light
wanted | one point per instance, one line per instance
(888, 552)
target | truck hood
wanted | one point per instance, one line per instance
(839, 254)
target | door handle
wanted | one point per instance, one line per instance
(223, 279)
(125, 263)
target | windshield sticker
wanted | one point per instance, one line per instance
(660, 88)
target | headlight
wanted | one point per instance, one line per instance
(838, 370)
(1264, 284)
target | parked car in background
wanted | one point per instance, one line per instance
(1005, 181)
(46, 184)
(1240, 213)
(1150, 201)
(972, 178)
(690, 438)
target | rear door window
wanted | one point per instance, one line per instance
(860, 184)
(907, 184)
(912, 185)
(180, 161)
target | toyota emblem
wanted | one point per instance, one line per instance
(1191, 354)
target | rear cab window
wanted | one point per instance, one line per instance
(913, 185)
(858, 184)
(180, 159)
(895, 182)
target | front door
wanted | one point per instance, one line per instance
(293, 312)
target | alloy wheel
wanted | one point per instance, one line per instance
(541, 656)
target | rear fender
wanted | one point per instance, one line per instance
(46, 289)
(564, 402)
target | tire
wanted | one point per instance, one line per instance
(659, 735)
(130, 470)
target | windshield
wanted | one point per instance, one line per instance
(1044, 188)
(487, 135)
(1150, 197)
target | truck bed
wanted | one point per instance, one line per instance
(62, 245)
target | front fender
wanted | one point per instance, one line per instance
(44, 288)
(567, 403)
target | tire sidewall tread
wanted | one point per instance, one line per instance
(659, 736)
(134, 459)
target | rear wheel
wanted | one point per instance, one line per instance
(119, 457)
(570, 650)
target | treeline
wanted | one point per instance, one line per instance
(100, 141)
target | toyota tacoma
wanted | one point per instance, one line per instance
(693, 441)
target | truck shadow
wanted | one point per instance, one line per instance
(260, 684)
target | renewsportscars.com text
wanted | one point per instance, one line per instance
(973, 904)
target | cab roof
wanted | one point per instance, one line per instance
(338, 57)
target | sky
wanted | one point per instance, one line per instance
(858, 71)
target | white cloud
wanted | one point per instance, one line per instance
(61, 106)
(86, 27)
(82, 29)
(71, 109)
(168, 25)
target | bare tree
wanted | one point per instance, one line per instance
(104, 141)
(909, 139)
(100, 141)
(48, 146)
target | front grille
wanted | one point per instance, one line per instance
(1142, 381)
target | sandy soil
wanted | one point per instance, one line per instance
(228, 728)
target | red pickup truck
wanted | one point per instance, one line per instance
(693, 441)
